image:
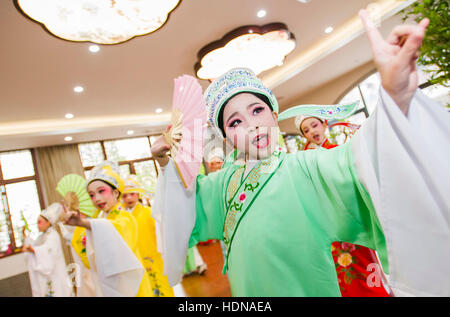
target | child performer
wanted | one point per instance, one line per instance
(46, 264)
(313, 129)
(353, 262)
(108, 243)
(146, 237)
(279, 213)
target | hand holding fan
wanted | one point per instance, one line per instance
(187, 128)
(72, 188)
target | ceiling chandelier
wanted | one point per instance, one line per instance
(98, 21)
(256, 47)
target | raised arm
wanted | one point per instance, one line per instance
(400, 155)
(395, 58)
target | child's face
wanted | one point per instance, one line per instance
(313, 130)
(102, 195)
(43, 224)
(214, 164)
(130, 199)
(251, 126)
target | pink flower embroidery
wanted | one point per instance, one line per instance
(348, 246)
(242, 197)
(83, 241)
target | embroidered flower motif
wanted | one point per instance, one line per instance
(349, 247)
(242, 197)
(83, 241)
(345, 259)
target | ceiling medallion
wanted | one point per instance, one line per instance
(98, 21)
(256, 47)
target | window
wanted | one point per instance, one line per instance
(133, 156)
(21, 199)
(367, 93)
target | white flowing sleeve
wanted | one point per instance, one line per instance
(403, 162)
(174, 213)
(44, 257)
(119, 272)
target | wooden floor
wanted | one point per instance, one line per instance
(212, 283)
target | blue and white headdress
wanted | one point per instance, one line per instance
(235, 81)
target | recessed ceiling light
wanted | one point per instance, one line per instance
(261, 13)
(78, 89)
(329, 30)
(69, 116)
(130, 132)
(159, 110)
(68, 138)
(303, 1)
(94, 48)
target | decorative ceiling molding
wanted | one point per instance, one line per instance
(379, 11)
(80, 124)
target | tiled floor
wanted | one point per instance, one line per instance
(212, 283)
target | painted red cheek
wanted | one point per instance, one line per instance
(107, 191)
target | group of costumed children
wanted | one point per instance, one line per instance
(326, 222)
(122, 224)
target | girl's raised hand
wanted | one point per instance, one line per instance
(395, 58)
(160, 149)
(72, 218)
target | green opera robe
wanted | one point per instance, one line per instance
(281, 246)
(384, 190)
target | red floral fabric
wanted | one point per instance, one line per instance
(358, 271)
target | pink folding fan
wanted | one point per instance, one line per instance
(186, 134)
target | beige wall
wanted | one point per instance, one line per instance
(328, 93)
(13, 265)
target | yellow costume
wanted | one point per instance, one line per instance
(125, 224)
(127, 227)
(146, 244)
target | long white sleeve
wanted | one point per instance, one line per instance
(174, 213)
(118, 271)
(403, 162)
(45, 254)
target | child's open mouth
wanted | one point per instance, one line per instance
(101, 205)
(261, 141)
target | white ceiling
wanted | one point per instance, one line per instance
(125, 83)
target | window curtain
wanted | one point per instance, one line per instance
(54, 162)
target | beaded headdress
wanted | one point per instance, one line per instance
(108, 172)
(236, 80)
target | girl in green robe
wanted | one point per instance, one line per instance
(278, 213)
